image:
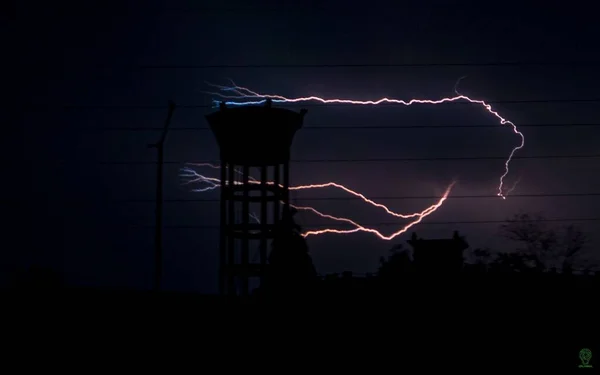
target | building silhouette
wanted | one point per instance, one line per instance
(253, 140)
(438, 256)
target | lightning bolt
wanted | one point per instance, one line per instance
(238, 93)
(254, 217)
(514, 186)
(213, 182)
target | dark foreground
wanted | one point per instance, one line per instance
(420, 324)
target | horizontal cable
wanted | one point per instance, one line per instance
(375, 224)
(370, 160)
(372, 65)
(376, 198)
(168, 66)
(343, 127)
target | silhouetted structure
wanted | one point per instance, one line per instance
(251, 137)
(439, 256)
(158, 249)
(291, 271)
(397, 266)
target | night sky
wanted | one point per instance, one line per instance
(86, 206)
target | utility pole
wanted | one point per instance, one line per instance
(159, 200)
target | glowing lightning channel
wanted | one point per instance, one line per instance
(255, 217)
(215, 183)
(195, 177)
(212, 182)
(243, 93)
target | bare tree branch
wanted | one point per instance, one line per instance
(544, 242)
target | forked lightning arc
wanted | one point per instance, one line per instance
(213, 182)
(240, 96)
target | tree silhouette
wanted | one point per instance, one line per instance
(515, 262)
(482, 260)
(573, 242)
(544, 243)
(482, 254)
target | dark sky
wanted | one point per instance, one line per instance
(81, 217)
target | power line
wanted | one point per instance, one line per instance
(374, 224)
(379, 198)
(481, 64)
(374, 65)
(198, 106)
(559, 195)
(374, 127)
(372, 160)
(197, 11)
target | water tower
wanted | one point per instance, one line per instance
(254, 144)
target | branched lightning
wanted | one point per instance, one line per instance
(241, 96)
(213, 183)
